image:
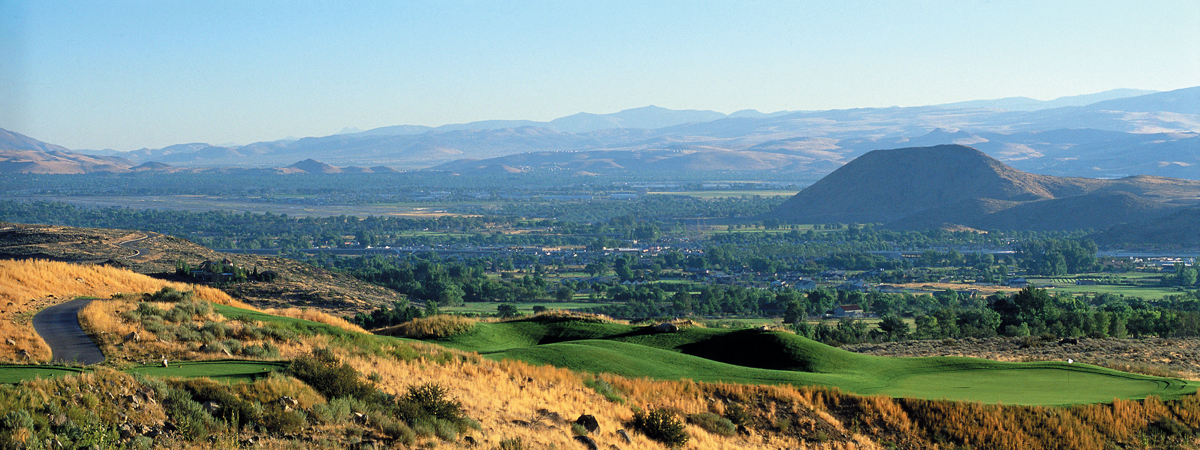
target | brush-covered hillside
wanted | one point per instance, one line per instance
(296, 284)
(929, 187)
(240, 377)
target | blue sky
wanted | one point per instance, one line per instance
(127, 74)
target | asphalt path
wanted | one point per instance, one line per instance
(59, 327)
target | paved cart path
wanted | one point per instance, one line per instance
(59, 327)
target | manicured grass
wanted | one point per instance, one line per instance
(15, 373)
(752, 356)
(224, 370)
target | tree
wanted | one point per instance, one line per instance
(895, 327)
(507, 310)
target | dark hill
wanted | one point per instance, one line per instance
(1177, 229)
(930, 187)
(886, 185)
(313, 166)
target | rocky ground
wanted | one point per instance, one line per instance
(1175, 357)
(298, 285)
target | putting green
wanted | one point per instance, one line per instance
(15, 373)
(1017, 386)
(224, 370)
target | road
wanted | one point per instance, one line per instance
(59, 327)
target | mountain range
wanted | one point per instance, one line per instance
(955, 186)
(1109, 135)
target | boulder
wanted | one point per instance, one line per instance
(587, 442)
(588, 422)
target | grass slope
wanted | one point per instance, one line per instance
(752, 356)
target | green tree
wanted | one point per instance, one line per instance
(507, 310)
(895, 327)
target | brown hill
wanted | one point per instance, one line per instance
(956, 185)
(155, 254)
(59, 162)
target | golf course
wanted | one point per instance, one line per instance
(773, 357)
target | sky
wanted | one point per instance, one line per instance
(147, 74)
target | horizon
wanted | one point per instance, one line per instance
(135, 75)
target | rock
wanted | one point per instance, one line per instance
(204, 348)
(125, 431)
(666, 327)
(624, 436)
(24, 354)
(470, 441)
(132, 337)
(153, 432)
(1072, 341)
(742, 430)
(288, 401)
(10, 342)
(211, 406)
(360, 418)
(589, 423)
(587, 442)
(226, 352)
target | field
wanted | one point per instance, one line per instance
(716, 355)
(1142, 285)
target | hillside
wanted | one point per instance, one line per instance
(152, 253)
(922, 187)
(1176, 230)
(283, 400)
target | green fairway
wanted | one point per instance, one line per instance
(225, 370)
(757, 357)
(1029, 386)
(15, 373)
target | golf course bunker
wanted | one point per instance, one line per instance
(1034, 386)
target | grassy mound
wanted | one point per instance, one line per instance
(768, 357)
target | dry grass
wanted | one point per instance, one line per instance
(316, 316)
(27, 286)
(438, 326)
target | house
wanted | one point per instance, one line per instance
(847, 311)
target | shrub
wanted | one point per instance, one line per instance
(429, 411)
(512, 444)
(191, 418)
(713, 423)
(332, 378)
(662, 426)
(737, 415)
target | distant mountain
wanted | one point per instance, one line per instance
(1029, 104)
(23, 154)
(1106, 135)
(915, 188)
(10, 140)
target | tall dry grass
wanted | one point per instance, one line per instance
(439, 326)
(316, 316)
